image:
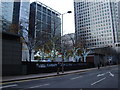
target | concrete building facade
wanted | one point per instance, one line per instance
(97, 22)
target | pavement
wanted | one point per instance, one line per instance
(34, 76)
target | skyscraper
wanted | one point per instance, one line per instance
(8, 15)
(97, 22)
(14, 18)
(44, 22)
(15, 15)
(24, 12)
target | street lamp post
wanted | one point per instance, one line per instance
(62, 20)
(62, 40)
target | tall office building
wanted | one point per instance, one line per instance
(9, 18)
(11, 46)
(24, 12)
(44, 22)
(97, 22)
(14, 15)
(14, 18)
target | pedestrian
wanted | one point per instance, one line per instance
(98, 66)
(58, 67)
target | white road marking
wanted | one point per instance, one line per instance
(105, 73)
(101, 74)
(39, 86)
(75, 78)
(111, 74)
(13, 85)
(98, 81)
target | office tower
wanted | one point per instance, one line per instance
(45, 22)
(97, 22)
(8, 15)
(14, 15)
(24, 27)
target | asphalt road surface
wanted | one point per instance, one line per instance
(106, 77)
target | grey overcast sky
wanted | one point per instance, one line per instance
(62, 6)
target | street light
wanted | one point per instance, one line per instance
(61, 40)
(62, 19)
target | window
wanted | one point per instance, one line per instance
(39, 15)
(44, 17)
(48, 19)
(39, 7)
(49, 12)
(44, 9)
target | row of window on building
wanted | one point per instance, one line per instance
(25, 14)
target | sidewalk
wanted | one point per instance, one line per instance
(34, 76)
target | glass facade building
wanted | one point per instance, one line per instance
(11, 45)
(24, 17)
(97, 22)
(14, 15)
(24, 26)
(0, 16)
(44, 21)
(6, 15)
(15, 19)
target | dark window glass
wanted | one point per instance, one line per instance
(39, 15)
(38, 26)
(44, 18)
(49, 12)
(44, 27)
(44, 9)
(39, 7)
(48, 19)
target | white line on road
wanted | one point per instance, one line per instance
(39, 86)
(75, 78)
(101, 74)
(111, 74)
(98, 81)
(13, 85)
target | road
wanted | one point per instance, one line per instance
(106, 77)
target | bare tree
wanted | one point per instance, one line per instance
(70, 46)
(52, 45)
(81, 43)
(51, 40)
(32, 42)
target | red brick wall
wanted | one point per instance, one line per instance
(90, 58)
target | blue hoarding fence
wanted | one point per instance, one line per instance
(46, 67)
